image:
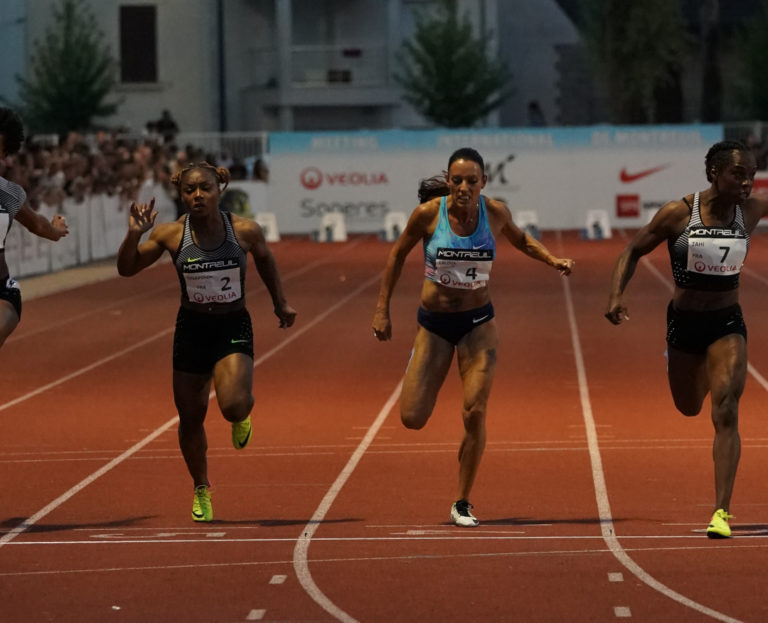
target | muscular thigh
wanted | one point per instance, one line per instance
(9, 319)
(430, 361)
(477, 362)
(233, 376)
(727, 366)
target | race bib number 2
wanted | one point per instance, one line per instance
(213, 286)
(716, 256)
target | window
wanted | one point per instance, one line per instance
(138, 43)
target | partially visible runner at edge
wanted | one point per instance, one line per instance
(14, 206)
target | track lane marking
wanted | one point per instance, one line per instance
(601, 489)
(300, 552)
(29, 522)
(159, 335)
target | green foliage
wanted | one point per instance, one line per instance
(754, 56)
(636, 48)
(447, 73)
(72, 72)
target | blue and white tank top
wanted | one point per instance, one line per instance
(462, 262)
(211, 277)
(707, 257)
(12, 198)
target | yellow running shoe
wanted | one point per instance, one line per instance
(202, 510)
(718, 526)
(241, 433)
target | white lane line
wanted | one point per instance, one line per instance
(256, 615)
(121, 539)
(27, 523)
(622, 612)
(156, 336)
(601, 489)
(300, 559)
(570, 553)
(616, 577)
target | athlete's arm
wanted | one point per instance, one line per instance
(668, 221)
(523, 241)
(416, 229)
(133, 257)
(755, 209)
(37, 224)
(250, 234)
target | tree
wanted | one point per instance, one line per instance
(638, 50)
(72, 72)
(448, 74)
(754, 55)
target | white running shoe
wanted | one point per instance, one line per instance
(461, 515)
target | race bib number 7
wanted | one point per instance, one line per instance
(716, 256)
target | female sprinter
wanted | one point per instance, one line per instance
(213, 339)
(458, 232)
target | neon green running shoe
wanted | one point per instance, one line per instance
(241, 433)
(202, 510)
(718, 526)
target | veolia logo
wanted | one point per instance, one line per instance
(311, 178)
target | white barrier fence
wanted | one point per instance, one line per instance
(97, 226)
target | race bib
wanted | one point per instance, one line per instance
(708, 255)
(466, 269)
(5, 223)
(213, 286)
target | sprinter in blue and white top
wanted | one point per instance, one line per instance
(458, 227)
(14, 206)
(707, 236)
(213, 341)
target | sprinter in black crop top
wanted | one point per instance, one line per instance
(213, 341)
(707, 234)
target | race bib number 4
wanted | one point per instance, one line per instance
(466, 269)
(213, 286)
(716, 256)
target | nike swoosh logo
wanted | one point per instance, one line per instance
(476, 320)
(632, 177)
(201, 515)
(194, 259)
(246, 440)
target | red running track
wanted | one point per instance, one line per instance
(593, 493)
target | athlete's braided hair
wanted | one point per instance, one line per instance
(431, 187)
(719, 155)
(12, 131)
(220, 173)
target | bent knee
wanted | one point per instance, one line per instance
(414, 420)
(474, 417)
(235, 408)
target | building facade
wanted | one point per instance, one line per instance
(262, 65)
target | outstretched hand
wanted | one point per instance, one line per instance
(617, 312)
(286, 314)
(564, 266)
(142, 216)
(59, 224)
(382, 326)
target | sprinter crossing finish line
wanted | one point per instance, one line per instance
(457, 227)
(213, 340)
(707, 235)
